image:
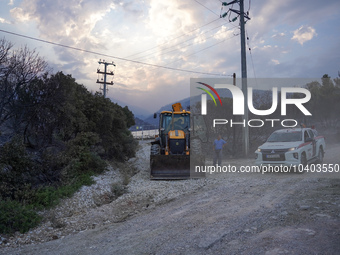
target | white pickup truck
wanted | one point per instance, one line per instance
(291, 147)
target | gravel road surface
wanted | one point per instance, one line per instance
(226, 213)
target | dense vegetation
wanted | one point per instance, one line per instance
(54, 135)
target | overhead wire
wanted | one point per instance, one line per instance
(251, 57)
(173, 38)
(142, 57)
(201, 50)
(206, 7)
(107, 55)
(249, 48)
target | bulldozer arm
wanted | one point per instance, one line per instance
(169, 167)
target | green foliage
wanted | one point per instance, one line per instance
(81, 160)
(14, 154)
(16, 168)
(45, 197)
(16, 217)
(66, 109)
(61, 134)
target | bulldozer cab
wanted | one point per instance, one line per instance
(173, 121)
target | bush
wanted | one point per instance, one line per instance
(79, 157)
(45, 197)
(16, 217)
(16, 168)
(82, 167)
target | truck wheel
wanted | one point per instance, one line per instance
(303, 160)
(154, 151)
(320, 155)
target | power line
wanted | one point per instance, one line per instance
(187, 41)
(173, 39)
(251, 57)
(206, 8)
(106, 55)
(152, 53)
(180, 35)
(203, 50)
(212, 46)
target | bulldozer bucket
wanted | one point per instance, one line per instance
(169, 167)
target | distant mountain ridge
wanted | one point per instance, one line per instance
(184, 102)
(137, 111)
(141, 124)
(223, 93)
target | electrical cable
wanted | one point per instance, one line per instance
(206, 8)
(202, 50)
(141, 57)
(184, 42)
(251, 57)
(172, 39)
(106, 55)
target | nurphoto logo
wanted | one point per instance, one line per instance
(238, 104)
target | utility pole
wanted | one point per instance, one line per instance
(244, 78)
(243, 66)
(234, 127)
(104, 74)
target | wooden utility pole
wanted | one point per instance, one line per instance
(104, 74)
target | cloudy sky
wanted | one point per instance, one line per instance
(287, 39)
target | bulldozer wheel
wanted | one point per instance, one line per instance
(155, 149)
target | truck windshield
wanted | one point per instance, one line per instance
(285, 137)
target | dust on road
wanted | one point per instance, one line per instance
(223, 214)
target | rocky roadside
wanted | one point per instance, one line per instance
(111, 199)
(222, 214)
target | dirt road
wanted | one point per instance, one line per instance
(223, 214)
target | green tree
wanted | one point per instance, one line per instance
(63, 133)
